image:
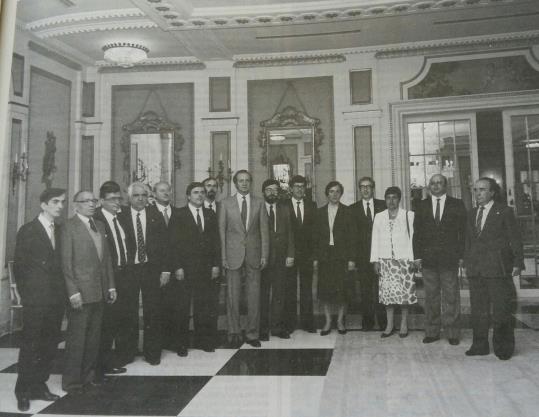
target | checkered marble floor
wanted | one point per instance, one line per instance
(283, 378)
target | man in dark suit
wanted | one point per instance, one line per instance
(211, 187)
(162, 195)
(493, 256)
(195, 256)
(243, 229)
(147, 251)
(38, 273)
(439, 239)
(363, 212)
(89, 281)
(116, 324)
(281, 257)
(302, 214)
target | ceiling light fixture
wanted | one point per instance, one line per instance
(125, 54)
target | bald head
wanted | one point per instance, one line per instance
(438, 185)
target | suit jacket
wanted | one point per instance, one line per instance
(156, 239)
(498, 248)
(191, 249)
(217, 205)
(99, 216)
(84, 272)
(343, 234)
(303, 232)
(363, 232)
(281, 239)
(38, 267)
(444, 244)
(237, 244)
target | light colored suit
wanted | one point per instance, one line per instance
(242, 249)
(87, 270)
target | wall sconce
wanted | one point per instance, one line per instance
(220, 175)
(19, 171)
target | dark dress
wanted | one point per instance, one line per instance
(334, 285)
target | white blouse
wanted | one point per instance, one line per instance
(395, 243)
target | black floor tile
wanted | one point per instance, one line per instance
(278, 362)
(13, 414)
(57, 366)
(133, 395)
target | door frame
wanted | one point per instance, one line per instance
(510, 172)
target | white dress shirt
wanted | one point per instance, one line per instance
(143, 223)
(163, 208)
(239, 197)
(487, 208)
(301, 207)
(194, 213)
(332, 213)
(442, 205)
(371, 206)
(49, 228)
(268, 205)
(213, 205)
(109, 217)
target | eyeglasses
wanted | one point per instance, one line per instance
(117, 199)
(365, 186)
(87, 201)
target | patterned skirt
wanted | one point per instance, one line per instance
(397, 285)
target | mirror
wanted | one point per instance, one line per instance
(151, 147)
(290, 142)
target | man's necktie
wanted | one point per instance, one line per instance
(244, 212)
(210, 206)
(369, 213)
(119, 241)
(437, 215)
(272, 218)
(53, 238)
(199, 222)
(479, 220)
(300, 220)
(141, 247)
(92, 225)
(165, 215)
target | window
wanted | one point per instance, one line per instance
(361, 87)
(440, 147)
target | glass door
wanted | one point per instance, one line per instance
(521, 132)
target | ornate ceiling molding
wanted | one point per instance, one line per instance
(174, 15)
(444, 46)
(287, 59)
(96, 27)
(156, 64)
(64, 19)
(181, 15)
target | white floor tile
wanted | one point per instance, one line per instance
(8, 401)
(260, 396)
(197, 363)
(300, 340)
(8, 356)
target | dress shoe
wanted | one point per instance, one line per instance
(403, 335)
(254, 343)
(182, 351)
(431, 339)
(384, 334)
(342, 331)
(234, 342)
(453, 341)
(153, 361)
(115, 371)
(45, 396)
(23, 403)
(208, 348)
(264, 337)
(477, 351)
(504, 356)
(325, 332)
(283, 334)
(309, 330)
